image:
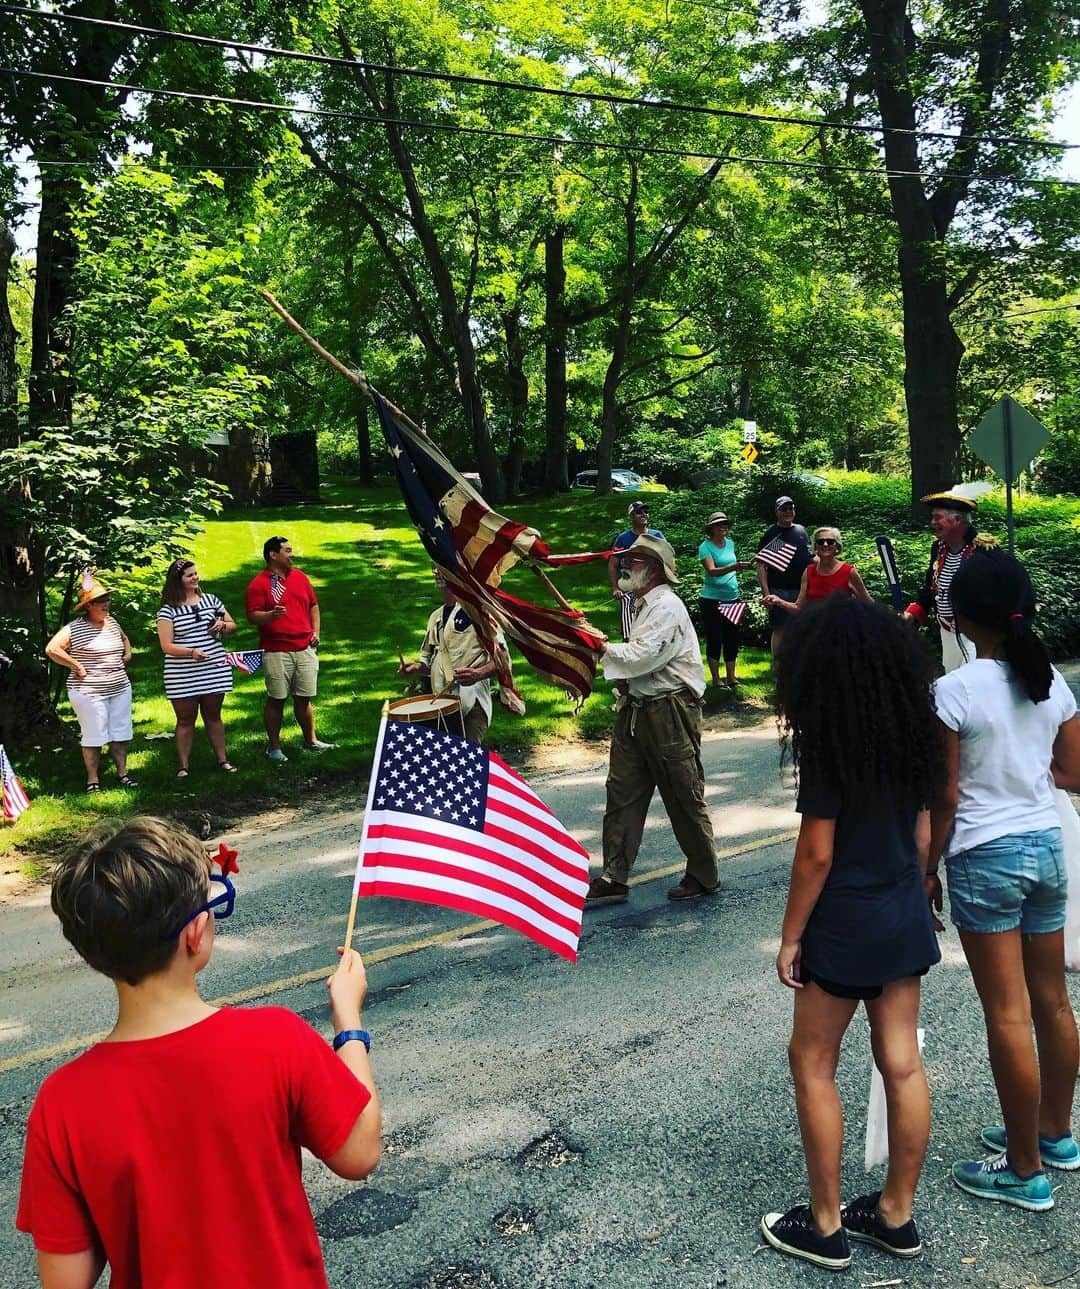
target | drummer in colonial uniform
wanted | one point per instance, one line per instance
(954, 540)
(457, 662)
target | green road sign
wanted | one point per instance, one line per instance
(1006, 420)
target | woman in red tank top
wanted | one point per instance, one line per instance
(827, 575)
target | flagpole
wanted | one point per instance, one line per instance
(364, 829)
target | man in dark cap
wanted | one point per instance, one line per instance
(656, 742)
(954, 540)
(638, 513)
(782, 556)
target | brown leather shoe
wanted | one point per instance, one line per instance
(601, 891)
(691, 889)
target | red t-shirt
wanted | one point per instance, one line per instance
(293, 631)
(179, 1156)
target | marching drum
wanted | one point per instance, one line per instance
(439, 710)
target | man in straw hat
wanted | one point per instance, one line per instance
(954, 540)
(657, 738)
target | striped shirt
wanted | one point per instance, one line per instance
(101, 651)
(946, 573)
(187, 677)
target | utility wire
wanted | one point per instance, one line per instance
(518, 136)
(592, 96)
(1052, 308)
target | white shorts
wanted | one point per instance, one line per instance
(103, 720)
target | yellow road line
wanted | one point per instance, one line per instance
(41, 1054)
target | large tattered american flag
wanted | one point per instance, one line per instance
(449, 823)
(474, 546)
(778, 554)
(14, 798)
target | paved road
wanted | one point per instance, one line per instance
(624, 1121)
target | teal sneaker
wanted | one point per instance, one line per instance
(1055, 1152)
(994, 1179)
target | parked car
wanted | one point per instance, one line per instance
(621, 481)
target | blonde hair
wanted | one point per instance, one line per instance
(835, 532)
(123, 890)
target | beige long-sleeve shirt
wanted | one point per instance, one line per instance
(663, 653)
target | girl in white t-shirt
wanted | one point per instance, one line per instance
(1011, 732)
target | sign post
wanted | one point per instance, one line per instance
(1007, 439)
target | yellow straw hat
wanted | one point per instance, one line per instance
(90, 589)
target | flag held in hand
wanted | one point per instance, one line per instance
(250, 660)
(14, 798)
(778, 554)
(449, 823)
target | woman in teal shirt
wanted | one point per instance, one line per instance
(720, 586)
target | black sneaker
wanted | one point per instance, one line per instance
(862, 1221)
(601, 891)
(794, 1232)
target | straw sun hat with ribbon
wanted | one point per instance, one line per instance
(90, 589)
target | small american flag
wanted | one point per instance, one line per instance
(250, 660)
(15, 800)
(449, 823)
(778, 554)
(732, 610)
(277, 588)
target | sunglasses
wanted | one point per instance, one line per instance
(825, 541)
(220, 905)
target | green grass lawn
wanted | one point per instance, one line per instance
(375, 589)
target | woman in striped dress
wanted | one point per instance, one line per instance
(191, 623)
(97, 653)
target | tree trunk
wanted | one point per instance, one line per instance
(620, 344)
(744, 397)
(519, 399)
(25, 711)
(51, 386)
(556, 478)
(932, 352)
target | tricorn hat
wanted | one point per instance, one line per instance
(656, 548)
(717, 517)
(949, 501)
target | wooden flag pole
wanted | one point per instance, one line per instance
(364, 828)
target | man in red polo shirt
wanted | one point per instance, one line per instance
(281, 602)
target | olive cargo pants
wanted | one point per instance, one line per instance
(657, 744)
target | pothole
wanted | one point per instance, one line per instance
(515, 1219)
(552, 1150)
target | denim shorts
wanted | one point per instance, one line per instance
(1010, 882)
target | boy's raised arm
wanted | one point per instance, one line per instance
(357, 1157)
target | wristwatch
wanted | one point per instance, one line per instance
(347, 1036)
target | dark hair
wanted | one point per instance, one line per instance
(173, 590)
(854, 703)
(272, 545)
(992, 589)
(123, 889)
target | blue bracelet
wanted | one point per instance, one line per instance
(347, 1036)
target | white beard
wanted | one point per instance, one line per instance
(633, 582)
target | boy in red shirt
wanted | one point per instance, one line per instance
(171, 1150)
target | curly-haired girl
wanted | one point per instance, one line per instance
(1009, 722)
(853, 696)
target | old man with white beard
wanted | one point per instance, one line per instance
(657, 738)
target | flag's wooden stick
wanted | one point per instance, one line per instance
(356, 377)
(364, 829)
(560, 598)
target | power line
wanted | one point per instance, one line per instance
(517, 136)
(1052, 308)
(593, 96)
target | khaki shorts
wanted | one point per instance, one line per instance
(291, 673)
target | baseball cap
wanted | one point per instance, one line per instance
(636, 507)
(783, 501)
